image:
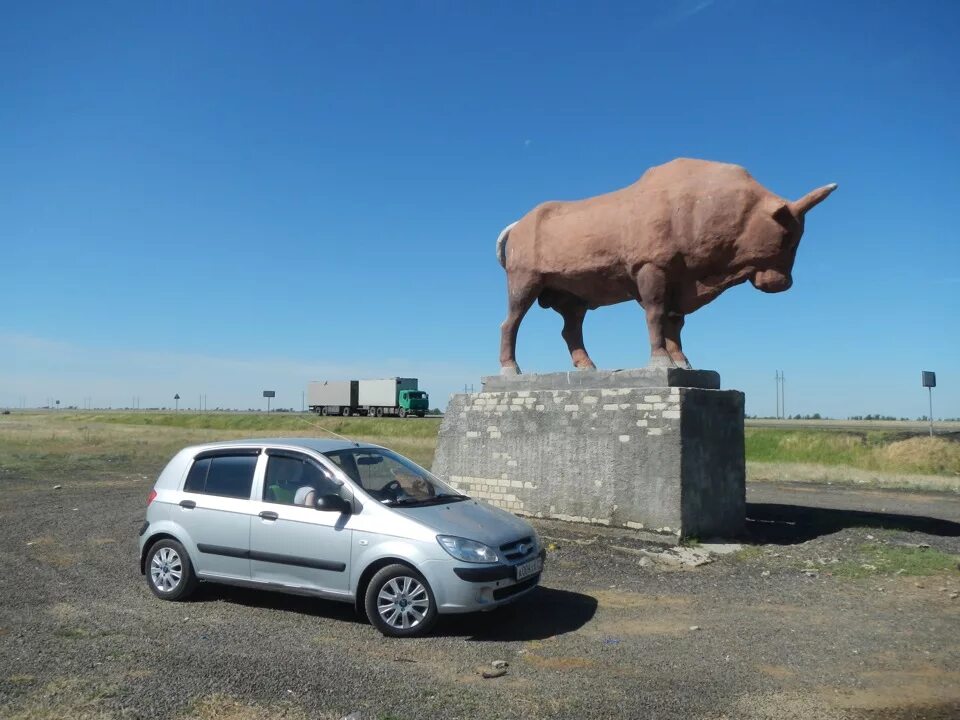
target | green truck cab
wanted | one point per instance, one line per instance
(414, 402)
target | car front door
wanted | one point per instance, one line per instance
(291, 542)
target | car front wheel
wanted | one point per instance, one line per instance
(400, 603)
(169, 572)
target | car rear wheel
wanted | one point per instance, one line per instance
(400, 603)
(169, 572)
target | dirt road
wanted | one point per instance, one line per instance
(790, 627)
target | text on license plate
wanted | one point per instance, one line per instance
(529, 568)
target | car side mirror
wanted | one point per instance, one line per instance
(333, 503)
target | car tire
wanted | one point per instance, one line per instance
(169, 571)
(395, 597)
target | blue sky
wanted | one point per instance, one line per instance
(225, 197)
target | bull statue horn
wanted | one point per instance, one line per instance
(812, 199)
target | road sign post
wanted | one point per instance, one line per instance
(176, 400)
(269, 394)
(929, 380)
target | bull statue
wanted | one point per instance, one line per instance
(673, 241)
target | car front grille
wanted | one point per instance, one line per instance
(518, 549)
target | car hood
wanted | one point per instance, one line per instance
(471, 519)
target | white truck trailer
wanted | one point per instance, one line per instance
(338, 397)
(393, 396)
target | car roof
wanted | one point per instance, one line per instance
(321, 445)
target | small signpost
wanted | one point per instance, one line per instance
(929, 379)
(269, 394)
(176, 400)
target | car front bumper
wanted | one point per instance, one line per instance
(462, 589)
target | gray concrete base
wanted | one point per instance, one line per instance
(663, 459)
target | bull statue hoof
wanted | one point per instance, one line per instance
(661, 361)
(510, 370)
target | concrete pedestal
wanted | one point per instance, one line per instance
(657, 449)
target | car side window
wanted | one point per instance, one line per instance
(292, 480)
(224, 475)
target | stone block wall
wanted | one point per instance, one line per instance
(665, 459)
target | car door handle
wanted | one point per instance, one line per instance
(269, 515)
(188, 504)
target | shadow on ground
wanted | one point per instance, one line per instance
(544, 613)
(270, 600)
(791, 524)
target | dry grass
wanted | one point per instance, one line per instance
(922, 454)
(844, 475)
(876, 452)
(224, 707)
(65, 697)
(77, 449)
(47, 550)
(126, 449)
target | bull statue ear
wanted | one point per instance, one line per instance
(811, 199)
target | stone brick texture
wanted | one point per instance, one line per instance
(667, 460)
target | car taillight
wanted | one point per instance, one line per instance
(151, 496)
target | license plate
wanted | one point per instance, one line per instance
(531, 567)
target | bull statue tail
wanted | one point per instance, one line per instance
(502, 244)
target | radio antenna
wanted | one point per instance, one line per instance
(327, 430)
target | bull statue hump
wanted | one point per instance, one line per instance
(672, 241)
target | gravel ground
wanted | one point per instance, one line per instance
(772, 631)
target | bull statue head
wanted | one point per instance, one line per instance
(777, 276)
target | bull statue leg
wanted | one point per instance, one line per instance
(652, 295)
(672, 325)
(522, 290)
(572, 309)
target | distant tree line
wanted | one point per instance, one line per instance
(815, 416)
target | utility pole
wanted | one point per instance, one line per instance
(776, 377)
(783, 395)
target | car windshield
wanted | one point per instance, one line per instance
(391, 478)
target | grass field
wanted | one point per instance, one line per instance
(37, 443)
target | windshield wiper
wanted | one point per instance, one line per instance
(444, 497)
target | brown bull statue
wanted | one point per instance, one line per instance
(673, 241)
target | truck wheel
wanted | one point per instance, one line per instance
(323, 411)
(403, 413)
(420, 414)
(379, 412)
(345, 411)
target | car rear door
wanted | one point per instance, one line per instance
(215, 511)
(298, 545)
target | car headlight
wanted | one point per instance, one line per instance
(468, 550)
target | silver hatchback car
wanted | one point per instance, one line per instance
(335, 519)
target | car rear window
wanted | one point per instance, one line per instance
(224, 475)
